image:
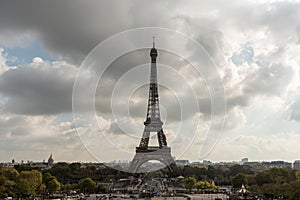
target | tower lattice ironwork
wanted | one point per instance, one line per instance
(153, 124)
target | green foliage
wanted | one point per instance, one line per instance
(24, 188)
(11, 174)
(251, 179)
(34, 178)
(3, 182)
(75, 167)
(42, 188)
(29, 181)
(275, 182)
(8, 179)
(24, 181)
(238, 169)
(268, 190)
(283, 190)
(239, 180)
(53, 185)
(2, 191)
(69, 187)
(47, 177)
(62, 171)
(101, 188)
(297, 175)
(154, 174)
(295, 189)
(202, 185)
(87, 185)
(189, 183)
(25, 167)
(263, 178)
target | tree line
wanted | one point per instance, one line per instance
(281, 183)
(30, 182)
(24, 180)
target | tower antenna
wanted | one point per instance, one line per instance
(153, 41)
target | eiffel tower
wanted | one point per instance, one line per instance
(153, 124)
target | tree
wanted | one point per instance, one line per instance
(12, 174)
(297, 174)
(268, 190)
(42, 188)
(264, 177)
(238, 169)
(284, 190)
(295, 185)
(199, 185)
(3, 182)
(69, 187)
(251, 180)
(87, 185)
(211, 172)
(202, 185)
(47, 177)
(53, 185)
(61, 171)
(239, 180)
(51, 182)
(101, 188)
(24, 188)
(189, 183)
(75, 167)
(34, 178)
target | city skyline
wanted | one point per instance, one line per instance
(125, 163)
(43, 45)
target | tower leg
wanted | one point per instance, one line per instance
(163, 155)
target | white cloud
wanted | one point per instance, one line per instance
(283, 146)
(37, 60)
(35, 137)
(3, 66)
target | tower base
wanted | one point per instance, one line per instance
(152, 153)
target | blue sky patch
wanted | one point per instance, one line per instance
(245, 55)
(23, 55)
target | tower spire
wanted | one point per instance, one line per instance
(153, 41)
(153, 52)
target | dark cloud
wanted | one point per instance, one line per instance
(71, 29)
(38, 88)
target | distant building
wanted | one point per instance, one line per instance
(182, 162)
(261, 166)
(198, 165)
(95, 165)
(244, 160)
(279, 164)
(297, 164)
(50, 161)
(255, 166)
(207, 162)
(7, 165)
(44, 164)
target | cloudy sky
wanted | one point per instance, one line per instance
(246, 72)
